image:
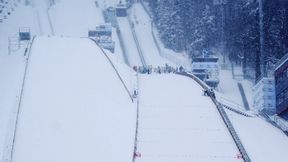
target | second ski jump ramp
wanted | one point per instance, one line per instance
(74, 107)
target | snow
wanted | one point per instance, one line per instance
(11, 70)
(43, 19)
(229, 91)
(262, 141)
(129, 42)
(118, 50)
(178, 123)
(109, 3)
(12, 66)
(143, 30)
(74, 17)
(74, 108)
(179, 59)
(10, 26)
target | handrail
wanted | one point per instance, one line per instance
(11, 152)
(224, 117)
(115, 69)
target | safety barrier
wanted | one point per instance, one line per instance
(115, 69)
(224, 117)
(9, 148)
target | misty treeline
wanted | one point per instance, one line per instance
(232, 28)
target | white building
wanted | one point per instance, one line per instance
(264, 95)
(211, 66)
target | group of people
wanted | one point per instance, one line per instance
(159, 69)
(210, 93)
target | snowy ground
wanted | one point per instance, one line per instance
(10, 26)
(174, 128)
(69, 111)
(41, 12)
(262, 141)
(76, 109)
(75, 17)
(12, 65)
(143, 30)
(129, 43)
(11, 72)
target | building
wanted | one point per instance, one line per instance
(102, 34)
(208, 65)
(281, 86)
(264, 95)
(121, 10)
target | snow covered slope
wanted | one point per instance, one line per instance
(129, 42)
(143, 30)
(178, 123)
(74, 108)
(263, 141)
(75, 17)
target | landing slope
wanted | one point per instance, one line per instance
(178, 123)
(74, 107)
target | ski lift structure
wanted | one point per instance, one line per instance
(102, 34)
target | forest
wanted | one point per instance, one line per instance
(250, 32)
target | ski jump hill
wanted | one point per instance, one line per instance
(73, 106)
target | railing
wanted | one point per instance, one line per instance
(115, 69)
(224, 116)
(9, 148)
